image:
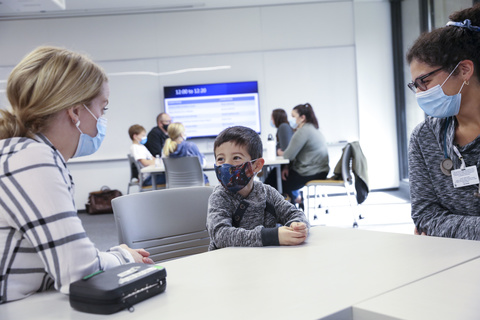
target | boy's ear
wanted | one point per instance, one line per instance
(258, 165)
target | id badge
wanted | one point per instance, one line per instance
(466, 177)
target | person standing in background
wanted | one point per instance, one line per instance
(157, 136)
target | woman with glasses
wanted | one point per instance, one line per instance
(307, 152)
(58, 99)
(444, 151)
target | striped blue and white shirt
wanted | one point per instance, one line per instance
(42, 240)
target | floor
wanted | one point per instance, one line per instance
(386, 211)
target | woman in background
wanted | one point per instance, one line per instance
(284, 131)
(176, 146)
(307, 152)
(284, 134)
(58, 99)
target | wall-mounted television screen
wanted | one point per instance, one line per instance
(207, 109)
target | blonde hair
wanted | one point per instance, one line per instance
(175, 130)
(46, 81)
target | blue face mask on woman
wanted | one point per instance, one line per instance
(293, 123)
(235, 178)
(88, 145)
(436, 103)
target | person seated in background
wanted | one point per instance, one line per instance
(284, 131)
(176, 146)
(140, 153)
(284, 134)
(307, 152)
(245, 212)
(58, 99)
(158, 135)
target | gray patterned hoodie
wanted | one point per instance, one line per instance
(257, 227)
(439, 209)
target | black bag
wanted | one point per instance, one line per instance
(101, 201)
(121, 287)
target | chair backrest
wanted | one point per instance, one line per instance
(134, 168)
(183, 172)
(168, 223)
(347, 164)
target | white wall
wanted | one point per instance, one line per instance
(325, 53)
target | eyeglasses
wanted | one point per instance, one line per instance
(418, 83)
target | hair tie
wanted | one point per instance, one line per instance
(465, 24)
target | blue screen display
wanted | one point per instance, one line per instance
(206, 109)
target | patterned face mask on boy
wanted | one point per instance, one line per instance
(235, 178)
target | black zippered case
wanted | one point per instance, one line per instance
(112, 290)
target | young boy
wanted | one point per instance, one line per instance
(244, 212)
(140, 153)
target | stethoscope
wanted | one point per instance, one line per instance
(446, 165)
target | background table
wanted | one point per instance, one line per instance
(336, 269)
(276, 163)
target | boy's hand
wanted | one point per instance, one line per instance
(293, 235)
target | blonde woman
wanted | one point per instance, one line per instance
(58, 99)
(176, 145)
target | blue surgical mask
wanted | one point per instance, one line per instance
(293, 123)
(144, 140)
(88, 145)
(235, 178)
(434, 102)
(272, 124)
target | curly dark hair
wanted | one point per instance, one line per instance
(447, 46)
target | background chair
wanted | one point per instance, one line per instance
(168, 223)
(350, 173)
(183, 172)
(136, 178)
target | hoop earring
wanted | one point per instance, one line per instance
(78, 123)
(466, 82)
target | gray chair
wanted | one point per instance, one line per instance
(345, 178)
(183, 172)
(134, 174)
(136, 177)
(168, 223)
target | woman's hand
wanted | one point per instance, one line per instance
(139, 255)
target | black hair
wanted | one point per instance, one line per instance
(241, 136)
(307, 111)
(279, 116)
(446, 47)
